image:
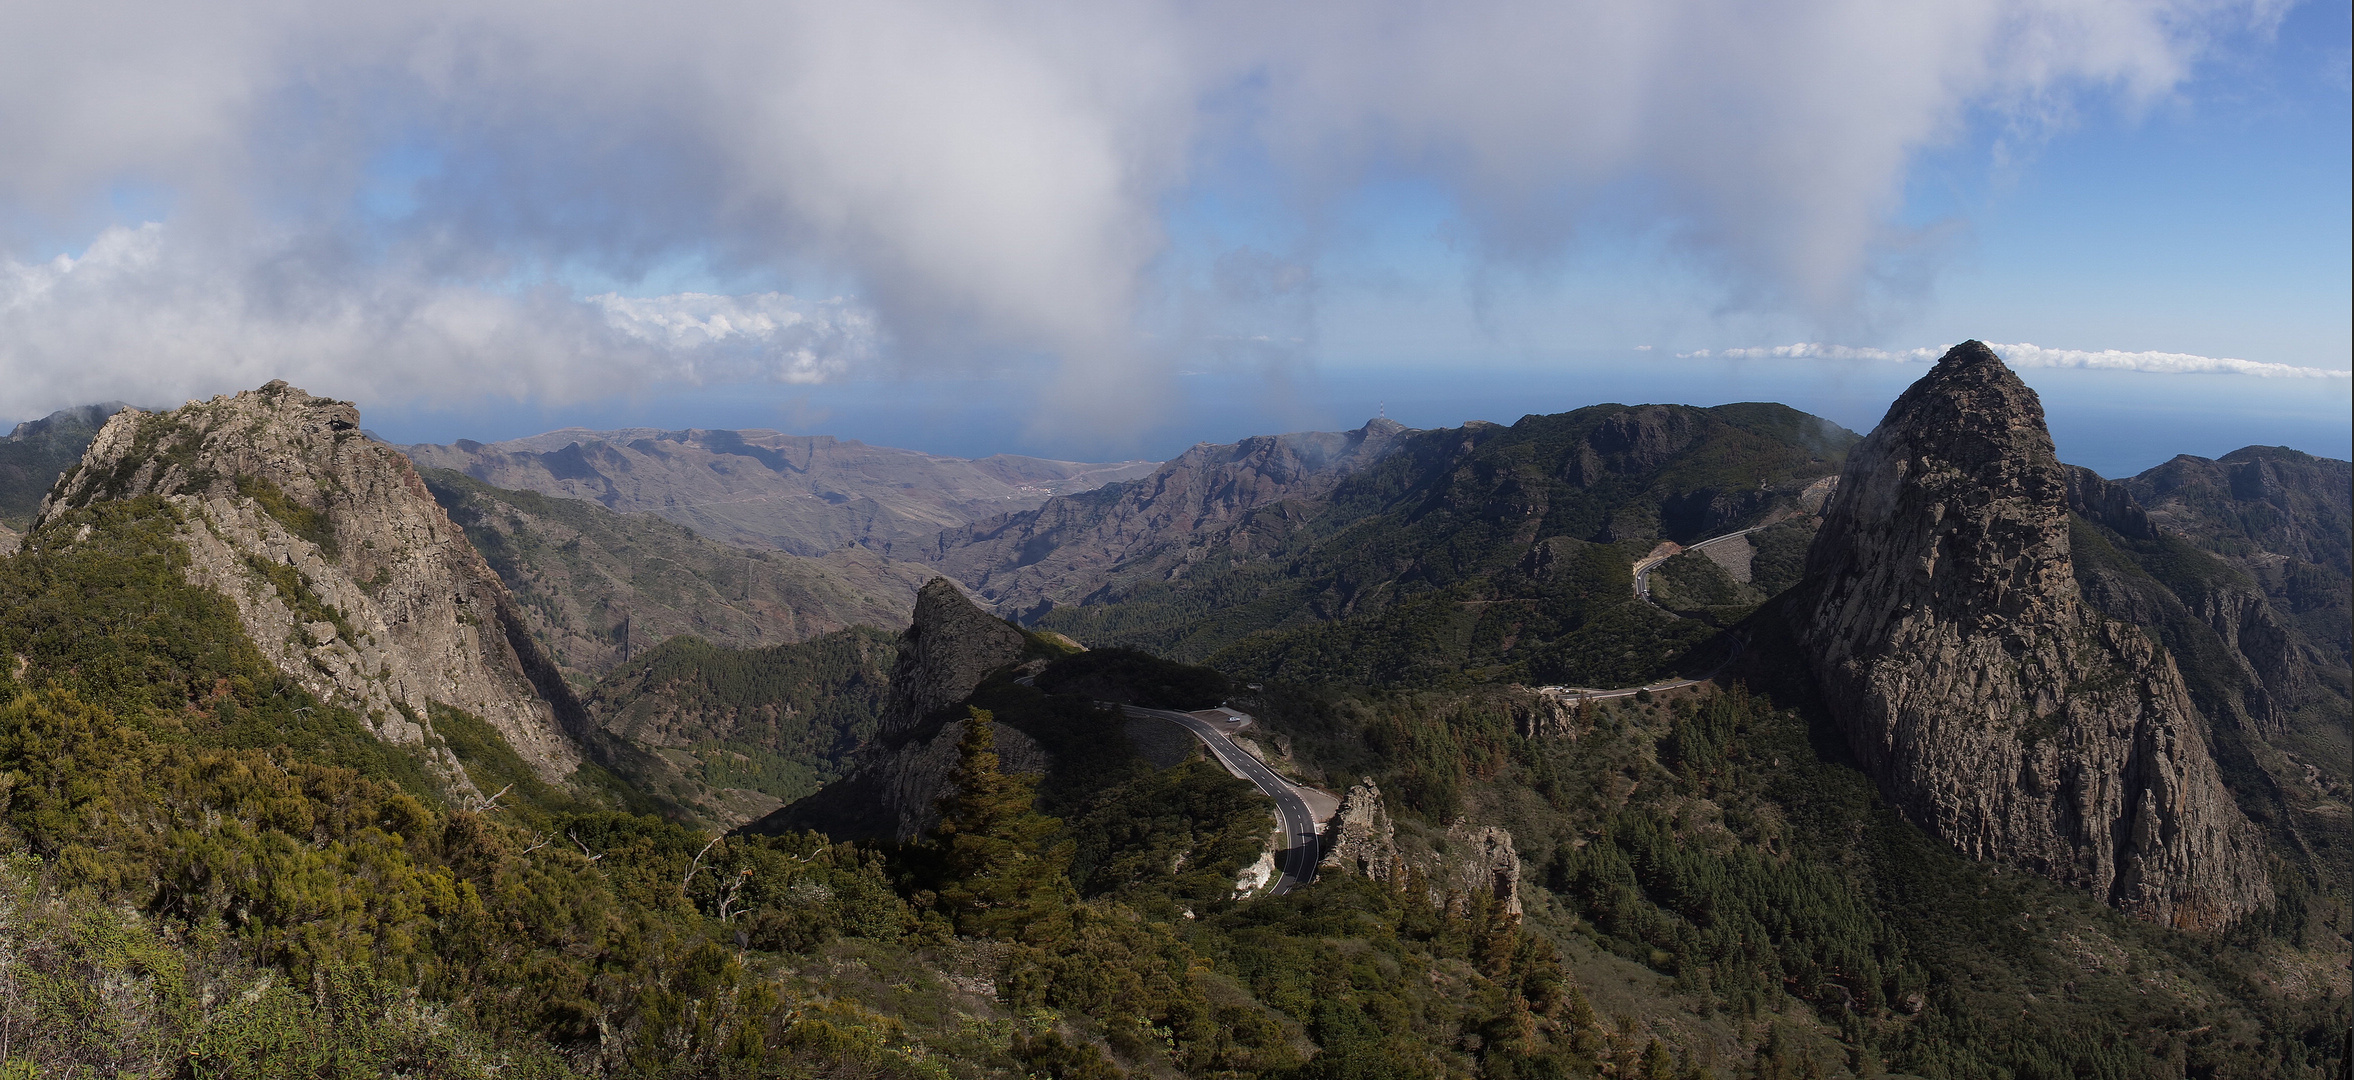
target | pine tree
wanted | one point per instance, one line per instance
(1002, 875)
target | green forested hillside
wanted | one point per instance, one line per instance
(208, 873)
(1718, 872)
(739, 732)
(1484, 553)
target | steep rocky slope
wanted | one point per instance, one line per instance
(2240, 656)
(804, 494)
(600, 587)
(947, 650)
(2286, 521)
(1941, 613)
(343, 569)
(2267, 500)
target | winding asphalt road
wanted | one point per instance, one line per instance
(1304, 842)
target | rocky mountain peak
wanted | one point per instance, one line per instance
(1940, 613)
(345, 572)
(947, 649)
(1957, 499)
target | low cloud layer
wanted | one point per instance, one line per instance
(140, 316)
(395, 200)
(2036, 356)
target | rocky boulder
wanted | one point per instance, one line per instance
(1481, 861)
(1360, 839)
(1941, 614)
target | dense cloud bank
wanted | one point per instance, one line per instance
(400, 200)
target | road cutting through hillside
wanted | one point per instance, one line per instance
(1302, 831)
(1301, 826)
(1643, 567)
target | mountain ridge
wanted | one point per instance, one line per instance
(806, 494)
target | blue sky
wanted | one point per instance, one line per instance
(1113, 232)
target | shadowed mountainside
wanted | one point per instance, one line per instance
(36, 453)
(732, 734)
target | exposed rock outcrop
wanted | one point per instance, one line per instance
(894, 786)
(947, 649)
(343, 569)
(1479, 860)
(1361, 839)
(1941, 614)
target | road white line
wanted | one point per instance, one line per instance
(1304, 842)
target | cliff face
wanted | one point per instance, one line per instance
(1941, 614)
(894, 787)
(947, 649)
(343, 569)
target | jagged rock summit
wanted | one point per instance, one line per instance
(895, 785)
(344, 571)
(1940, 613)
(948, 647)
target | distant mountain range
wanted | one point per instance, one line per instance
(805, 494)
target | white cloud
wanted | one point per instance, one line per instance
(786, 339)
(2025, 355)
(140, 315)
(992, 176)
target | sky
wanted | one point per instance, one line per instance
(1108, 231)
